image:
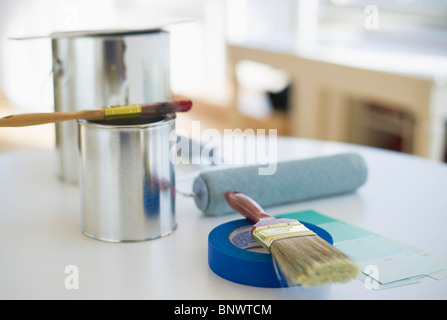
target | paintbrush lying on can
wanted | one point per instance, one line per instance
(301, 255)
(106, 113)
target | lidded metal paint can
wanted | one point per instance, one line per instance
(127, 178)
(103, 68)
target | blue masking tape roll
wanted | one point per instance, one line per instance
(228, 259)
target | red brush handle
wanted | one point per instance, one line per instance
(246, 206)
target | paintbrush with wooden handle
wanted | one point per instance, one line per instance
(106, 113)
(301, 255)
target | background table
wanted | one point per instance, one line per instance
(404, 199)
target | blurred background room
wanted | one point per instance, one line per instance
(364, 72)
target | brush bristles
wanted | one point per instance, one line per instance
(311, 261)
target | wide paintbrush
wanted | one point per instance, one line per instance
(106, 113)
(301, 255)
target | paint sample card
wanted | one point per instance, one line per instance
(401, 266)
(368, 248)
(371, 283)
(308, 216)
(341, 231)
(439, 275)
(385, 263)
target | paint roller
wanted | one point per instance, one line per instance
(293, 181)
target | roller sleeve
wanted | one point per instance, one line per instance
(293, 181)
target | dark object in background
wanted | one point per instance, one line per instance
(280, 99)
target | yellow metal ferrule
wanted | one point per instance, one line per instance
(265, 235)
(120, 112)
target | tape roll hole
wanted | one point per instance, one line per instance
(241, 238)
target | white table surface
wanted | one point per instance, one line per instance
(404, 199)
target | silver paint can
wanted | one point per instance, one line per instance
(97, 69)
(127, 178)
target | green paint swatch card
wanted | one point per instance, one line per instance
(385, 262)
